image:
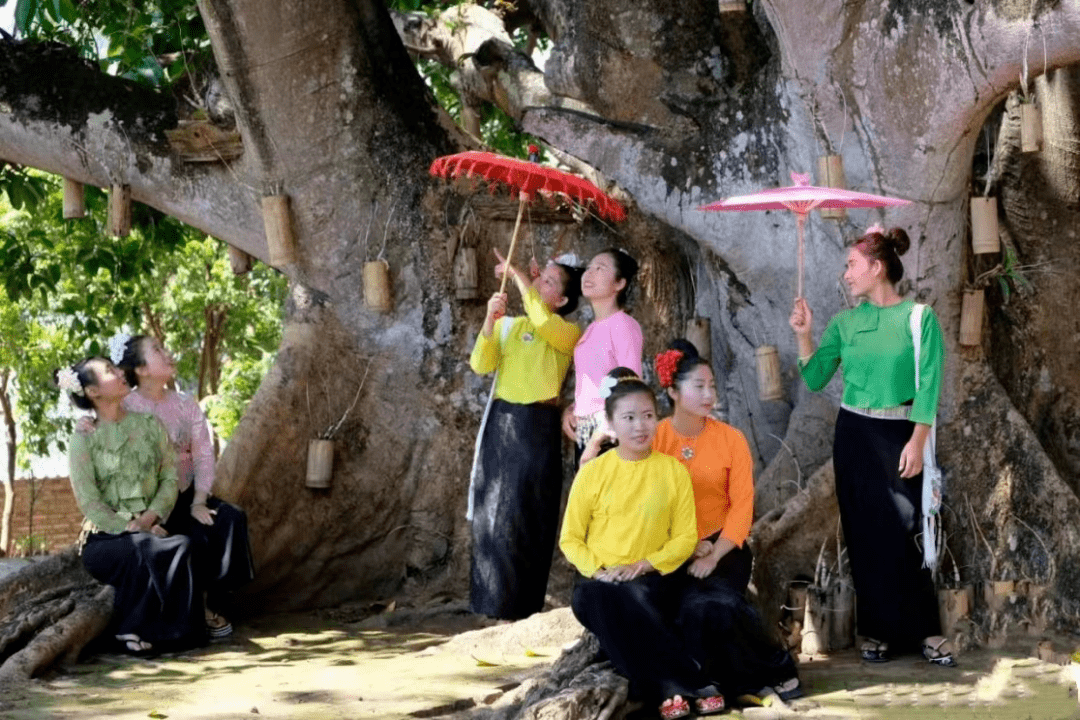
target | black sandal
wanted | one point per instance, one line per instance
(934, 656)
(875, 652)
(789, 690)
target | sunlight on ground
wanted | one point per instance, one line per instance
(301, 667)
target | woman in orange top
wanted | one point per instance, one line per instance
(724, 632)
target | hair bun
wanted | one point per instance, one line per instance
(898, 240)
(687, 348)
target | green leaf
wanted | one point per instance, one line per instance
(24, 13)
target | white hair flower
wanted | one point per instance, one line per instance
(607, 385)
(117, 346)
(875, 228)
(570, 259)
(68, 380)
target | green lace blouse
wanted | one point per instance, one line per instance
(121, 470)
(873, 348)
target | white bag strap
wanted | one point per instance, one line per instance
(916, 336)
(507, 324)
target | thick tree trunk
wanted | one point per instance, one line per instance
(11, 440)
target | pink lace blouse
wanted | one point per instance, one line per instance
(189, 433)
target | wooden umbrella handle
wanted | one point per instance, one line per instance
(513, 244)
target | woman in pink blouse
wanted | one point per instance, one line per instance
(613, 339)
(218, 529)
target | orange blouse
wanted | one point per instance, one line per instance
(722, 472)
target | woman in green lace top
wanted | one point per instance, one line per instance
(881, 430)
(124, 480)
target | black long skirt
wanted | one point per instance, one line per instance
(515, 509)
(158, 592)
(895, 600)
(631, 621)
(725, 634)
(222, 550)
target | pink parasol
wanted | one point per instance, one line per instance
(526, 180)
(801, 198)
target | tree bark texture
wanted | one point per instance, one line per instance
(675, 106)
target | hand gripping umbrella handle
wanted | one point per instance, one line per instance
(513, 243)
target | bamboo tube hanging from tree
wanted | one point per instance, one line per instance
(74, 199)
(120, 210)
(280, 238)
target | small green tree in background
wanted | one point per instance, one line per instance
(67, 287)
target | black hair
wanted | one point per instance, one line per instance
(628, 384)
(571, 288)
(626, 268)
(134, 357)
(87, 378)
(886, 247)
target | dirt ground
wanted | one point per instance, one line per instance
(439, 661)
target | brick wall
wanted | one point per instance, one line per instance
(57, 519)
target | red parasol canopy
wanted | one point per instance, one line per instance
(801, 198)
(526, 180)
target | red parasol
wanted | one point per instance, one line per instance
(801, 198)
(526, 180)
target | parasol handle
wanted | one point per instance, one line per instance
(513, 243)
(801, 221)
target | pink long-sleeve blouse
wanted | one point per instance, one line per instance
(189, 432)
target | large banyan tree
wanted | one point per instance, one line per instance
(669, 105)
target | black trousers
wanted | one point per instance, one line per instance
(515, 509)
(725, 634)
(222, 551)
(158, 591)
(895, 600)
(631, 620)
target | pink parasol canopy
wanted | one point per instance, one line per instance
(801, 198)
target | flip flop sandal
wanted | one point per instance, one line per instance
(710, 705)
(134, 645)
(789, 690)
(218, 626)
(875, 652)
(674, 708)
(934, 656)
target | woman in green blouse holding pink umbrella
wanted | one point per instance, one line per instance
(881, 431)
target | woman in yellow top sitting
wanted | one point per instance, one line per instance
(629, 525)
(723, 631)
(517, 477)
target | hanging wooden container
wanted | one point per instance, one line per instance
(971, 317)
(377, 285)
(831, 174)
(699, 332)
(239, 261)
(120, 210)
(1031, 129)
(732, 6)
(954, 605)
(984, 225)
(320, 463)
(74, 199)
(768, 373)
(466, 276)
(280, 237)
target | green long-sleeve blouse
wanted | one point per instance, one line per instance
(873, 345)
(121, 470)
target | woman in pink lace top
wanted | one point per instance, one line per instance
(218, 529)
(613, 339)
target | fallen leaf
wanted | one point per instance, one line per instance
(484, 663)
(533, 653)
(157, 714)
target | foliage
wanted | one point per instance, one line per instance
(67, 286)
(156, 42)
(498, 130)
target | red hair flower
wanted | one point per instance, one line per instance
(666, 363)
